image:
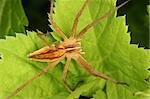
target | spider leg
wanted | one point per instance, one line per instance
(36, 76)
(55, 26)
(64, 75)
(83, 63)
(40, 35)
(74, 28)
(96, 21)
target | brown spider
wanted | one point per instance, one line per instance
(69, 48)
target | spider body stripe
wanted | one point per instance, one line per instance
(49, 55)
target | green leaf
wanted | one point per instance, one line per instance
(12, 17)
(83, 89)
(16, 68)
(99, 95)
(107, 49)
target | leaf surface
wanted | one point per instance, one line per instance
(106, 47)
(12, 17)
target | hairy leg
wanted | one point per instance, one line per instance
(40, 35)
(74, 28)
(64, 75)
(55, 26)
(80, 60)
(36, 76)
(96, 21)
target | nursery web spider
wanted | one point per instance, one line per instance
(69, 48)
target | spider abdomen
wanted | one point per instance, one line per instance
(46, 54)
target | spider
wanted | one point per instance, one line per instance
(69, 47)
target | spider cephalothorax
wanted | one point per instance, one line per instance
(68, 47)
(71, 45)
